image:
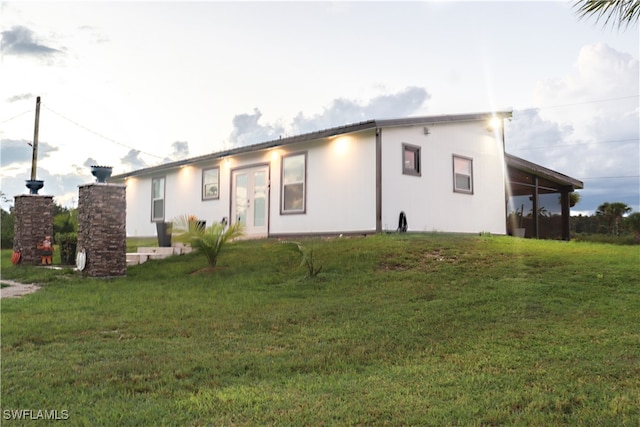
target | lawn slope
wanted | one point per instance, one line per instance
(426, 329)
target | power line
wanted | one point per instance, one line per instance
(100, 135)
(15, 117)
(579, 143)
(595, 101)
(612, 177)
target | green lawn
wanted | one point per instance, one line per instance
(426, 329)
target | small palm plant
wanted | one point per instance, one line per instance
(208, 240)
(309, 261)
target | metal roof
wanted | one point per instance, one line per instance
(350, 128)
(521, 173)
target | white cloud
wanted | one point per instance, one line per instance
(587, 126)
(247, 128)
(132, 160)
(343, 111)
(20, 40)
(602, 87)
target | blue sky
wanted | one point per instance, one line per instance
(134, 84)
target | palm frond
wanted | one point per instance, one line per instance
(624, 12)
(309, 260)
(208, 240)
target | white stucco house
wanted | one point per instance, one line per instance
(447, 173)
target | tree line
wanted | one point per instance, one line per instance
(611, 219)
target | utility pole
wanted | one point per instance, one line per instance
(34, 158)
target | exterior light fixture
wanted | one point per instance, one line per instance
(494, 123)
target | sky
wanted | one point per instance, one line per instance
(133, 84)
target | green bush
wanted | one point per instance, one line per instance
(6, 220)
(68, 244)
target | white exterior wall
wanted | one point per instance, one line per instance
(340, 188)
(429, 200)
(183, 188)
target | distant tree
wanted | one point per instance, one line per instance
(622, 13)
(64, 220)
(587, 224)
(612, 214)
(6, 224)
(633, 223)
(4, 198)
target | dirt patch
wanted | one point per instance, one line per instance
(418, 260)
(16, 290)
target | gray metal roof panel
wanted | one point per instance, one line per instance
(325, 133)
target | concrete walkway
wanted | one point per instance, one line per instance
(16, 290)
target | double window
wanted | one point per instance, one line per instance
(411, 160)
(211, 184)
(157, 199)
(294, 183)
(462, 175)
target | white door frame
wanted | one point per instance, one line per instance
(251, 208)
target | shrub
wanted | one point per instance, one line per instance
(309, 261)
(208, 240)
(68, 244)
(6, 220)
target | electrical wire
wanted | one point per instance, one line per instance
(612, 177)
(578, 143)
(547, 107)
(15, 117)
(100, 135)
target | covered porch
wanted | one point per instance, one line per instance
(538, 200)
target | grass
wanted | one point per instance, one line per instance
(396, 330)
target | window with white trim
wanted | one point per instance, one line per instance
(157, 199)
(462, 175)
(210, 184)
(411, 160)
(294, 177)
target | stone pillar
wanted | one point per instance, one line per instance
(33, 221)
(102, 229)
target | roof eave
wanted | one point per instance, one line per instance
(326, 133)
(549, 174)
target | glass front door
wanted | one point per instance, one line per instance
(250, 200)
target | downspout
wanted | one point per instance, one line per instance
(378, 180)
(536, 223)
(507, 181)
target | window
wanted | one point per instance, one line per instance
(410, 160)
(462, 175)
(210, 184)
(157, 199)
(294, 178)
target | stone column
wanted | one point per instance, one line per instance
(33, 221)
(102, 229)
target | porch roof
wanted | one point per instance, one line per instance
(522, 174)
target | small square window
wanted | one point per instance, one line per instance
(411, 160)
(462, 175)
